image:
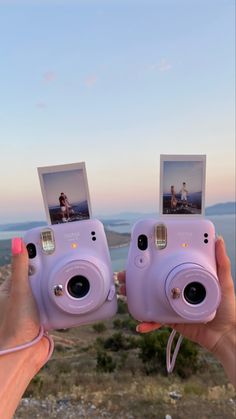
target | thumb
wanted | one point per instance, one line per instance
(19, 277)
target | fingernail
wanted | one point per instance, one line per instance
(143, 328)
(16, 246)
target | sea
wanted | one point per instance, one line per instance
(224, 225)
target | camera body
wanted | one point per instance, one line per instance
(71, 274)
(171, 271)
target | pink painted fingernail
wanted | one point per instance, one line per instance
(16, 246)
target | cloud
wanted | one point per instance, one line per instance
(41, 105)
(49, 76)
(91, 81)
(162, 66)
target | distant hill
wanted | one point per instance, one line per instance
(27, 225)
(221, 209)
(217, 209)
(123, 217)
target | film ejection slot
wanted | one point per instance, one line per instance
(48, 242)
(160, 236)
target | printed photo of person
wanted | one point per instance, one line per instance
(65, 193)
(182, 186)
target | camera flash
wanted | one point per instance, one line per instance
(74, 245)
(184, 244)
(47, 240)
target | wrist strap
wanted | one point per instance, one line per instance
(170, 363)
(41, 334)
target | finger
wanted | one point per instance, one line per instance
(19, 277)
(147, 327)
(223, 264)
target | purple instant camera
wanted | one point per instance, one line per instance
(71, 274)
(171, 271)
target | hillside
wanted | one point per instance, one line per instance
(102, 371)
(221, 209)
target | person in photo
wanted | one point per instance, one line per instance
(184, 195)
(65, 207)
(173, 202)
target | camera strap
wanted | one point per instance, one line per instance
(170, 363)
(41, 334)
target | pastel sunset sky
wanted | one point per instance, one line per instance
(114, 83)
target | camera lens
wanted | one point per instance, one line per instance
(142, 242)
(31, 248)
(194, 293)
(78, 286)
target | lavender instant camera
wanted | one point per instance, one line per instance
(171, 271)
(71, 274)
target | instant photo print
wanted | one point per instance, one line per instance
(182, 185)
(65, 193)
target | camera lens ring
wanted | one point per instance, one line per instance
(78, 286)
(194, 293)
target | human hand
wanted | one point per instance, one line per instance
(210, 334)
(19, 319)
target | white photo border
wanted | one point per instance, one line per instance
(183, 158)
(63, 168)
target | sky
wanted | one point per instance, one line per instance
(114, 83)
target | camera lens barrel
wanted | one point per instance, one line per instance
(194, 293)
(199, 292)
(78, 286)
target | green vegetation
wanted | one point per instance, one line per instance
(121, 307)
(153, 354)
(105, 363)
(99, 327)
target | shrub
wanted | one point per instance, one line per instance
(118, 341)
(117, 324)
(99, 327)
(105, 363)
(122, 307)
(127, 323)
(153, 354)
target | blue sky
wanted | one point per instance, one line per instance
(114, 83)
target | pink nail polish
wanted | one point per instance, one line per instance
(16, 246)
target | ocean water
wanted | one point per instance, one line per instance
(224, 225)
(8, 235)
